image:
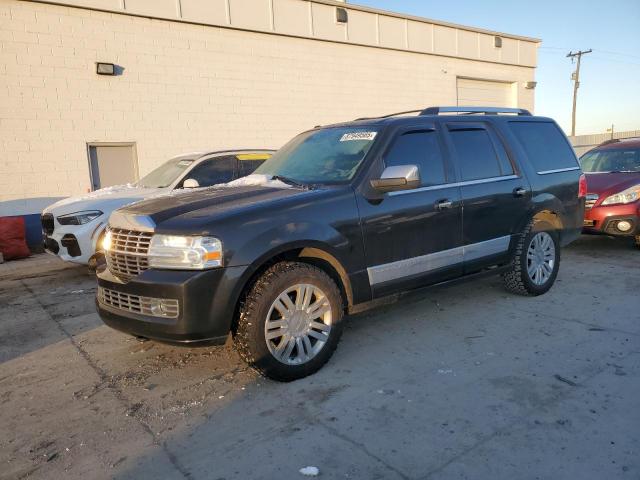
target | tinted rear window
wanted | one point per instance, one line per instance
(476, 154)
(545, 145)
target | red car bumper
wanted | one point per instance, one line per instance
(606, 219)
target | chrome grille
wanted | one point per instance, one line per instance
(591, 200)
(127, 256)
(155, 307)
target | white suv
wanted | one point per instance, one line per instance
(73, 227)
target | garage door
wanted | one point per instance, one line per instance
(484, 93)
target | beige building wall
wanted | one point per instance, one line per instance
(188, 86)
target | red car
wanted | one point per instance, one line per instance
(613, 188)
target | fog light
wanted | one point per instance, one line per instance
(624, 226)
(157, 307)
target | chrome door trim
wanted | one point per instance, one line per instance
(558, 170)
(456, 184)
(433, 261)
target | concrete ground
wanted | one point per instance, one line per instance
(459, 382)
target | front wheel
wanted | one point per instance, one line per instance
(535, 263)
(290, 321)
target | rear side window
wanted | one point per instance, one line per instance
(545, 145)
(478, 156)
(419, 148)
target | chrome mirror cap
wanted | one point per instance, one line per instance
(398, 177)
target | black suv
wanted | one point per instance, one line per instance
(340, 216)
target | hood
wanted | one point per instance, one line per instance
(105, 199)
(610, 183)
(194, 209)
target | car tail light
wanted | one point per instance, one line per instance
(582, 186)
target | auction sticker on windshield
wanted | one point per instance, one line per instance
(348, 137)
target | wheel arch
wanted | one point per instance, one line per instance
(314, 254)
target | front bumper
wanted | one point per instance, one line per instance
(604, 219)
(74, 243)
(206, 303)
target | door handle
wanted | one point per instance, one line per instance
(444, 204)
(519, 192)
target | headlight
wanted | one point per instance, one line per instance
(106, 241)
(78, 218)
(629, 195)
(185, 253)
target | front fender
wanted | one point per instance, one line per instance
(292, 236)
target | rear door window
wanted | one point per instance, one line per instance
(479, 156)
(545, 145)
(421, 148)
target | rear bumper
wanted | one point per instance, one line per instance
(206, 304)
(605, 220)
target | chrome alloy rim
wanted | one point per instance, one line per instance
(541, 258)
(298, 324)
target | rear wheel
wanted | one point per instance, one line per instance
(535, 263)
(290, 321)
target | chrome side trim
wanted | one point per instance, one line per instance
(486, 248)
(139, 223)
(433, 261)
(558, 170)
(456, 184)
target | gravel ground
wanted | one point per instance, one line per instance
(459, 382)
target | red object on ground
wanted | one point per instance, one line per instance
(13, 244)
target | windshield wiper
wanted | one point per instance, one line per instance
(290, 181)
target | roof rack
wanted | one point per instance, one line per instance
(389, 115)
(474, 110)
(616, 140)
(463, 110)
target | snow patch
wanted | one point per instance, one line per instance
(256, 180)
(310, 471)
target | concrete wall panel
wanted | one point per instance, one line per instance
(420, 36)
(444, 40)
(292, 17)
(210, 12)
(362, 27)
(160, 8)
(467, 44)
(488, 50)
(392, 32)
(325, 25)
(252, 14)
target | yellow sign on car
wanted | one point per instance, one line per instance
(253, 156)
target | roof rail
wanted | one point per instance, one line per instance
(389, 115)
(474, 110)
(616, 140)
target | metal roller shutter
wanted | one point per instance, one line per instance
(485, 93)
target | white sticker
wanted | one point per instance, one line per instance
(367, 136)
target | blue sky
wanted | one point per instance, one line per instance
(609, 77)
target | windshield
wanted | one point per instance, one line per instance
(611, 160)
(165, 174)
(328, 155)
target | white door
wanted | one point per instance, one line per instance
(485, 93)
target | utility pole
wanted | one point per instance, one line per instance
(576, 84)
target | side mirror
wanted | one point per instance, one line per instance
(190, 183)
(399, 177)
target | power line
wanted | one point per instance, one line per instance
(576, 84)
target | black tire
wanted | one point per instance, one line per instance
(517, 279)
(249, 335)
